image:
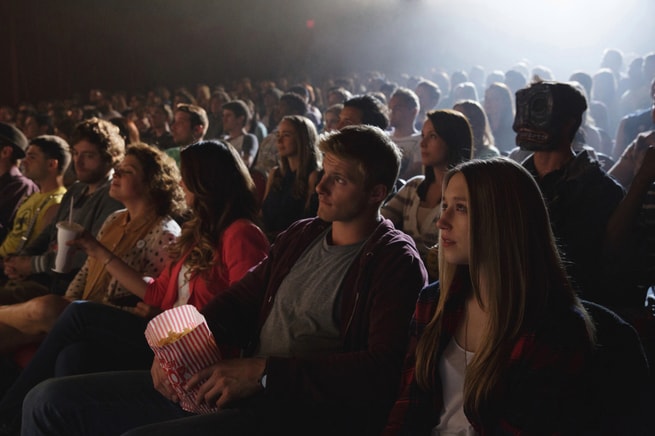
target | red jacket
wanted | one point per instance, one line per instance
(242, 246)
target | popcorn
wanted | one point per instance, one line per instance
(173, 336)
(183, 345)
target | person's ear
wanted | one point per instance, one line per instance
(53, 163)
(378, 194)
(6, 151)
(198, 131)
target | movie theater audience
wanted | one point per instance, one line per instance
(604, 248)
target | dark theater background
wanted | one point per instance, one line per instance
(53, 49)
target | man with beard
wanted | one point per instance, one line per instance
(97, 148)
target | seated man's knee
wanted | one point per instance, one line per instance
(40, 398)
(45, 308)
(50, 408)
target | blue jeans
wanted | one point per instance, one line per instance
(112, 403)
(88, 337)
(125, 402)
(95, 404)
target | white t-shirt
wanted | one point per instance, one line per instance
(452, 368)
(183, 292)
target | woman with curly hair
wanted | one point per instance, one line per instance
(217, 246)
(292, 183)
(146, 181)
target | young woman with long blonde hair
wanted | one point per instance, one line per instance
(292, 183)
(501, 341)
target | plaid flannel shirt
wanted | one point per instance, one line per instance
(542, 388)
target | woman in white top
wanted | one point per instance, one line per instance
(501, 344)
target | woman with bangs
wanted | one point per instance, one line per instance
(501, 342)
(291, 184)
(217, 247)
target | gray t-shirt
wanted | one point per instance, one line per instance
(304, 320)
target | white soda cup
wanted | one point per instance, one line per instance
(66, 231)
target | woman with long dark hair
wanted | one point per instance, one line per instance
(446, 141)
(218, 245)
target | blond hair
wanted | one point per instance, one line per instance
(512, 246)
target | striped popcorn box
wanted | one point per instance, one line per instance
(183, 344)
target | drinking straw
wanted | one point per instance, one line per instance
(70, 210)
